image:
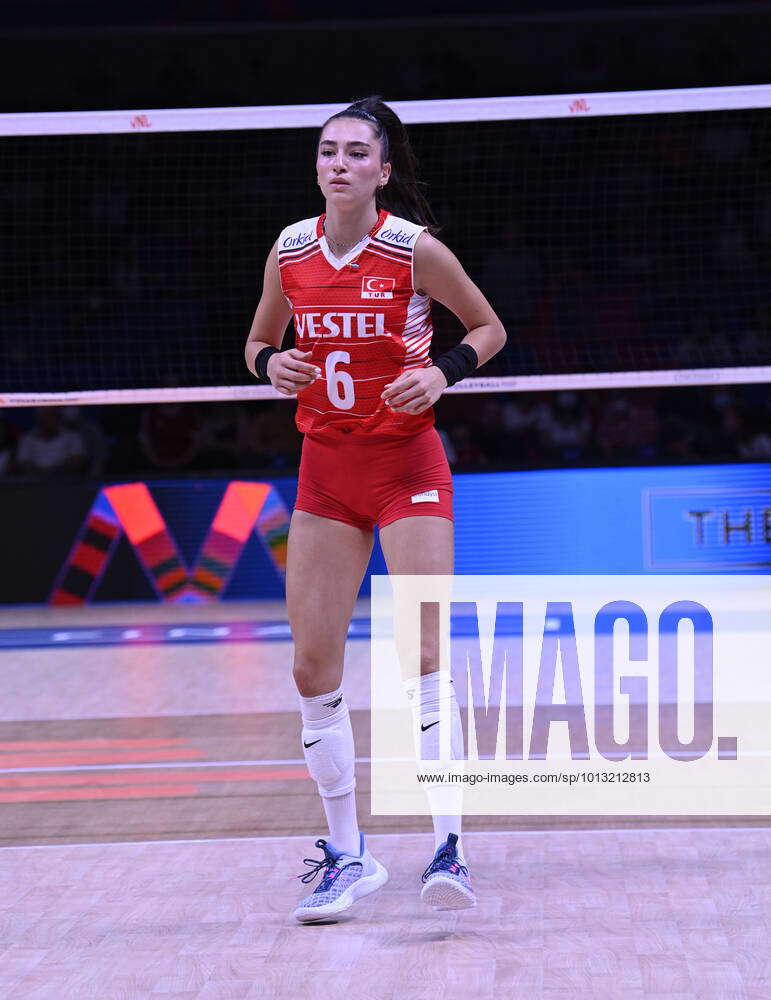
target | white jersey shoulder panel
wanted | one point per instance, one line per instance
(297, 235)
(401, 234)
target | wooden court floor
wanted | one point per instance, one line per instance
(155, 810)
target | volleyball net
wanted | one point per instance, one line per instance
(623, 238)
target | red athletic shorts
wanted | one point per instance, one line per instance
(365, 482)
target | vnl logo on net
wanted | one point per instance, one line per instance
(583, 695)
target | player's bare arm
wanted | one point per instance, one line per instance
(288, 370)
(439, 274)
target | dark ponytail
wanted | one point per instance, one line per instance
(403, 195)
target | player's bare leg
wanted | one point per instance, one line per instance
(425, 546)
(326, 562)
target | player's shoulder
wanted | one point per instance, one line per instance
(297, 235)
(430, 250)
(397, 233)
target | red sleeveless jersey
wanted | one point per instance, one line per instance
(363, 321)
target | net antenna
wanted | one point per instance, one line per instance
(623, 238)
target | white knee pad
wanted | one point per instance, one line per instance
(329, 753)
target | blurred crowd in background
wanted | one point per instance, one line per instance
(480, 432)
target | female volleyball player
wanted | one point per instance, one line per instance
(359, 280)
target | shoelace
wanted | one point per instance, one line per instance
(329, 861)
(445, 861)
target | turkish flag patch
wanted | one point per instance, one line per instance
(377, 288)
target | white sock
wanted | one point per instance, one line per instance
(436, 693)
(340, 810)
(343, 826)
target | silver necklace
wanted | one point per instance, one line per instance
(340, 249)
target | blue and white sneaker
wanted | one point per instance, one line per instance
(447, 882)
(346, 878)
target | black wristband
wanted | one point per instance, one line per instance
(457, 363)
(261, 363)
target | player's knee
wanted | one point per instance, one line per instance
(429, 653)
(315, 672)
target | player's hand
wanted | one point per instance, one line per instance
(290, 371)
(415, 391)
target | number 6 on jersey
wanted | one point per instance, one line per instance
(339, 383)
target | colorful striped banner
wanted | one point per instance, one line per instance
(131, 510)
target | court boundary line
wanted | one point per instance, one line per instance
(288, 762)
(427, 833)
(160, 764)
